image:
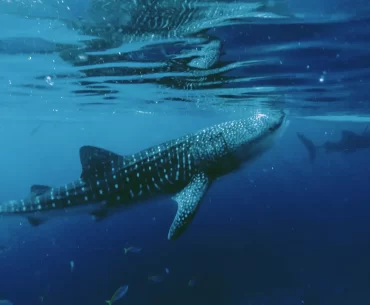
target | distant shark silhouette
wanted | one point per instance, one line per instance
(348, 143)
(185, 167)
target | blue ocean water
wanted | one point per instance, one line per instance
(125, 75)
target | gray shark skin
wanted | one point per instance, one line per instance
(184, 167)
(349, 142)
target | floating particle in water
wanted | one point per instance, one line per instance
(49, 80)
(72, 265)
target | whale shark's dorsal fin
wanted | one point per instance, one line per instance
(95, 160)
(38, 189)
(188, 201)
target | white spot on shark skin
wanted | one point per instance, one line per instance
(67, 193)
(53, 204)
(39, 207)
(114, 177)
(69, 201)
(118, 198)
(24, 209)
(83, 189)
(138, 175)
(128, 179)
(97, 182)
(101, 192)
(86, 198)
(131, 194)
(37, 199)
(116, 186)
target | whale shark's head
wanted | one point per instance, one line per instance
(256, 134)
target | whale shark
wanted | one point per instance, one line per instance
(183, 168)
(348, 143)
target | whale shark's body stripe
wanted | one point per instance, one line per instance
(186, 166)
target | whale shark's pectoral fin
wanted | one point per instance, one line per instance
(188, 201)
(100, 213)
(35, 221)
(97, 161)
(37, 189)
(348, 135)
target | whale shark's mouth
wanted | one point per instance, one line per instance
(284, 126)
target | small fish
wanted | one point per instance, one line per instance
(192, 282)
(156, 278)
(132, 250)
(72, 264)
(120, 293)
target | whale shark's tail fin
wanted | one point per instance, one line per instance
(308, 144)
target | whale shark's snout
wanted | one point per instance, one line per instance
(269, 121)
(257, 134)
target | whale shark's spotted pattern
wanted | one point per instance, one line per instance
(185, 167)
